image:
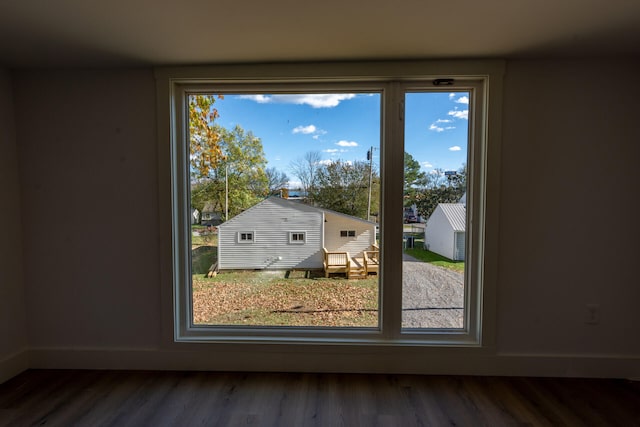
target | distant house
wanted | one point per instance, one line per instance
(210, 215)
(283, 234)
(444, 232)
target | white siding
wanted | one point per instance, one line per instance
(438, 234)
(365, 234)
(271, 221)
(444, 233)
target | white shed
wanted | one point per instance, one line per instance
(444, 233)
(281, 234)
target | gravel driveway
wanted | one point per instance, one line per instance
(432, 296)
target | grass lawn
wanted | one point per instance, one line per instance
(435, 259)
(269, 299)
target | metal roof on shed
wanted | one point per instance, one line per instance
(455, 214)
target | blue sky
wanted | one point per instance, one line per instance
(346, 125)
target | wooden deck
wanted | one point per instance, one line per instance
(358, 267)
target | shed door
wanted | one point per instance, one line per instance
(459, 249)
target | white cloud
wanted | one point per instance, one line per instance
(317, 100)
(455, 148)
(304, 129)
(452, 95)
(459, 114)
(462, 100)
(295, 184)
(426, 165)
(347, 143)
(334, 151)
(332, 161)
(260, 99)
(436, 126)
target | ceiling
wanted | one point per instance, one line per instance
(86, 33)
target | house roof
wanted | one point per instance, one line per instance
(456, 215)
(295, 205)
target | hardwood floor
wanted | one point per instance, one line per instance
(108, 398)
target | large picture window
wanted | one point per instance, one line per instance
(384, 175)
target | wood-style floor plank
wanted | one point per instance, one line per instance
(124, 398)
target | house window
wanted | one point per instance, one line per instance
(378, 183)
(298, 237)
(246, 237)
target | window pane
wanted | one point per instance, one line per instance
(276, 163)
(435, 183)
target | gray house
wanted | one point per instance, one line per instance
(210, 215)
(283, 234)
(444, 232)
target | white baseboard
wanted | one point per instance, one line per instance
(440, 362)
(13, 365)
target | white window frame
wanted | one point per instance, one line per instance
(246, 241)
(298, 242)
(390, 79)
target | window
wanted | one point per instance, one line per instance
(396, 95)
(245, 237)
(297, 237)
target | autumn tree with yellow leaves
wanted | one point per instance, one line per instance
(226, 164)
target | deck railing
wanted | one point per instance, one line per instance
(336, 262)
(342, 262)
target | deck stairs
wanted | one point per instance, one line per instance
(357, 269)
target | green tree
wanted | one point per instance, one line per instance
(242, 166)
(344, 186)
(443, 191)
(414, 179)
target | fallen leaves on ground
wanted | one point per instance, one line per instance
(268, 299)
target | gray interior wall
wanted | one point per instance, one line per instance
(13, 332)
(88, 170)
(568, 230)
(569, 224)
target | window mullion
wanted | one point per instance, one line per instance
(392, 164)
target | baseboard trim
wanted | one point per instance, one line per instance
(439, 363)
(13, 365)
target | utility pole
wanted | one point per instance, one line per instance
(226, 192)
(370, 158)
